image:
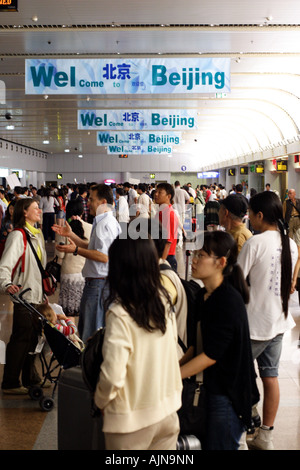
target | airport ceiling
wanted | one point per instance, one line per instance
(261, 39)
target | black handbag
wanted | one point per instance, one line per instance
(53, 268)
(193, 412)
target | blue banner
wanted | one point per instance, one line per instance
(137, 119)
(127, 76)
(138, 138)
(139, 149)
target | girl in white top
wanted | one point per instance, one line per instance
(268, 259)
(139, 388)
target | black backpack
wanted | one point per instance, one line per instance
(192, 289)
(91, 360)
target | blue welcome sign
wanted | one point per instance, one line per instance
(127, 76)
(139, 149)
(137, 119)
(138, 138)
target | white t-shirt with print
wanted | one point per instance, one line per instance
(260, 259)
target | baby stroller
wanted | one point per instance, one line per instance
(64, 355)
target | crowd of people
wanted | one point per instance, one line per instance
(125, 279)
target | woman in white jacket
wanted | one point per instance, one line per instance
(18, 271)
(139, 387)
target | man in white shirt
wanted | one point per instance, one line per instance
(143, 207)
(105, 229)
(122, 209)
(181, 198)
(131, 193)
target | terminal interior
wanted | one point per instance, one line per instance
(249, 134)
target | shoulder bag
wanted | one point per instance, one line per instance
(48, 281)
(54, 268)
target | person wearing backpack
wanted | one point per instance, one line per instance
(139, 386)
(19, 271)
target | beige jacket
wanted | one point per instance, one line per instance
(140, 382)
(31, 277)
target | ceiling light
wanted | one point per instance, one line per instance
(46, 142)
(34, 18)
(67, 150)
(10, 128)
(80, 156)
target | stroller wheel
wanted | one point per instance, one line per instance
(35, 393)
(46, 403)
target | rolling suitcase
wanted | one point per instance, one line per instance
(77, 428)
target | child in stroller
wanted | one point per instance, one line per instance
(64, 352)
(54, 314)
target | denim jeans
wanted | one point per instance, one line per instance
(224, 428)
(267, 354)
(91, 315)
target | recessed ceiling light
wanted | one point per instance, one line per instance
(45, 141)
(80, 156)
(10, 128)
(67, 150)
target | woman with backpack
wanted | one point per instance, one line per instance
(18, 271)
(139, 387)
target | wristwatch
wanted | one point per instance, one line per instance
(75, 253)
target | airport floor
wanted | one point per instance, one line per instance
(24, 426)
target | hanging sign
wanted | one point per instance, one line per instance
(139, 149)
(138, 138)
(127, 76)
(140, 119)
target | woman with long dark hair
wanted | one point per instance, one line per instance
(267, 260)
(139, 388)
(226, 359)
(71, 279)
